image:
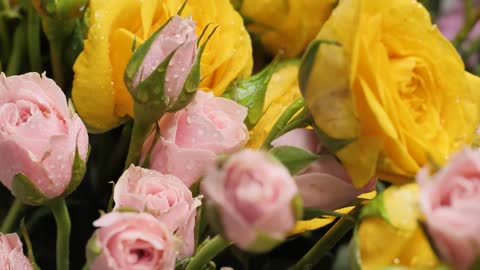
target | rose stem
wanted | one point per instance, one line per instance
(33, 36)
(18, 49)
(283, 121)
(207, 253)
(62, 218)
(12, 215)
(327, 242)
(139, 134)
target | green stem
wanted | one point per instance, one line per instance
(33, 36)
(327, 242)
(302, 120)
(139, 134)
(467, 28)
(283, 121)
(207, 253)
(12, 215)
(62, 218)
(57, 32)
(19, 43)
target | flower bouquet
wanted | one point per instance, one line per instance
(239, 134)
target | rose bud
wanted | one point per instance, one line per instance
(450, 201)
(163, 73)
(127, 240)
(11, 253)
(324, 183)
(164, 196)
(192, 138)
(43, 145)
(252, 200)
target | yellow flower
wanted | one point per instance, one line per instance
(393, 237)
(287, 25)
(282, 90)
(387, 90)
(99, 93)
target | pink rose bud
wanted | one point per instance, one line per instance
(192, 137)
(253, 200)
(450, 201)
(178, 34)
(43, 145)
(164, 196)
(324, 183)
(127, 240)
(11, 253)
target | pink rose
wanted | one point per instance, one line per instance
(126, 241)
(325, 183)
(450, 200)
(253, 196)
(38, 135)
(452, 18)
(11, 253)
(192, 138)
(178, 34)
(164, 196)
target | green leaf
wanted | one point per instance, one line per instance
(308, 61)
(26, 191)
(333, 145)
(294, 158)
(250, 93)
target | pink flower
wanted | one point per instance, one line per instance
(11, 253)
(325, 183)
(253, 197)
(126, 241)
(450, 200)
(453, 18)
(38, 134)
(178, 34)
(192, 137)
(164, 196)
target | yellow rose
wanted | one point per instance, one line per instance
(282, 90)
(286, 25)
(393, 236)
(387, 90)
(99, 93)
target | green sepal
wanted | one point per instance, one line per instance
(24, 190)
(28, 243)
(78, 172)
(375, 208)
(308, 61)
(297, 207)
(137, 57)
(263, 243)
(93, 249)
(294, 158)
(333, 145)
(250, 93)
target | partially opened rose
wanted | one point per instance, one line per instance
(450, 201)
(43, 145)
(251, 200)
(325, 183)
(115, 24)
(287, 25)
(126, 240)
(164, 196)
(11, 253)
(376, 83)
(192, 138)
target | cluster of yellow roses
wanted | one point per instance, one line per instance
(387, 92)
